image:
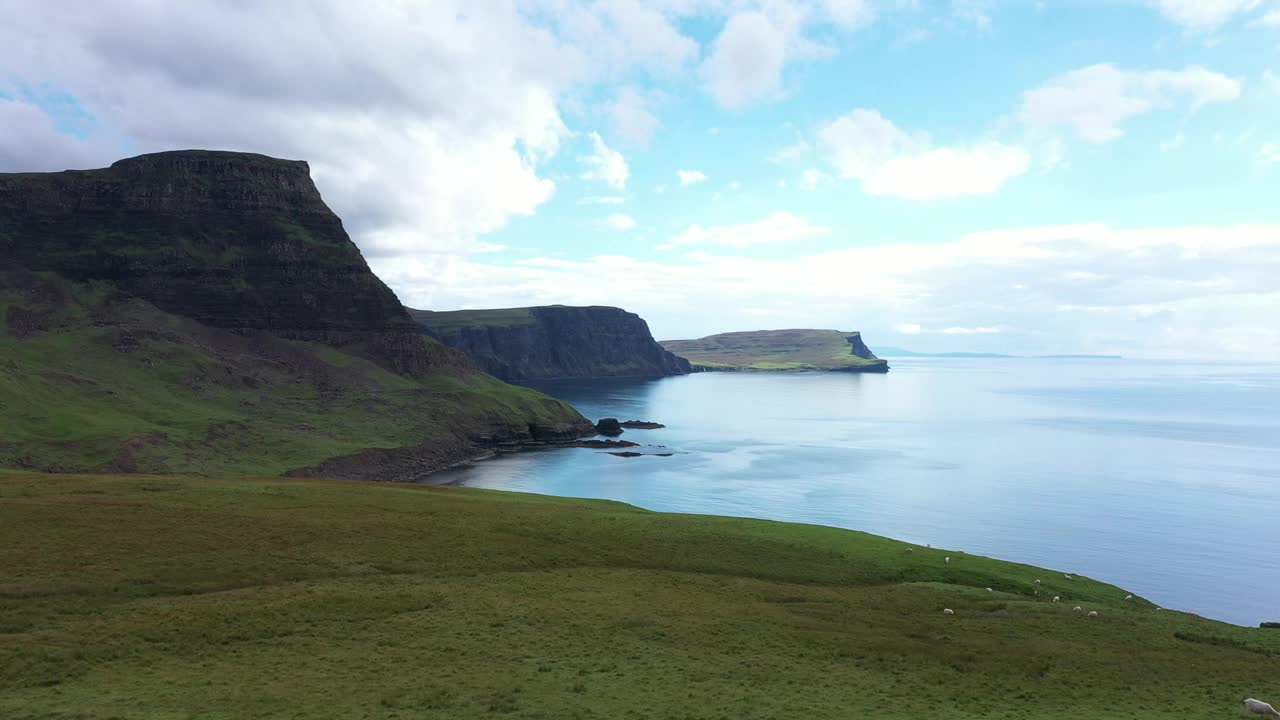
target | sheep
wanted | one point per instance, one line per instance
(946, 560)
(1037, 582)
(990, 590)
(1056, 598)
(1128, 597)
(1093, 613)
(948, 611)
(909, 550)
(1068, 577)
(1257, 707)
(1077, 609)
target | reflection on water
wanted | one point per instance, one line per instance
(1163, 478)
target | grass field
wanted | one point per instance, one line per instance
(118, 384)
(170, 597)
(775, 350)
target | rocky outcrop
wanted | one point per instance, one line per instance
(232, 240)
(609, 426)
(554, 342)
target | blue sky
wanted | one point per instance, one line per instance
(1056, 176)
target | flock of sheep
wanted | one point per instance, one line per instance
(1252, 705)
(1056, 598)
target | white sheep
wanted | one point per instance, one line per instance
(1128, 597)
(1077, 609)
(1037, 582)
(946, 560)
(1056, 598)
(909, 550)
(948, 611)
(1067, 577)
(1257, 707)
(1093, 613)
(990, 590)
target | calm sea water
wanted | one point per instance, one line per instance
(1163, 478)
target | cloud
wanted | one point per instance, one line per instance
(690, 177)
(603, 164)
(780, 226)
(850, 14)
(1270, 19)
(603, 200)
(746, 62)
(1270, 153)
(811, 178)
(620, 221)
(631, 118)
(970, 331)
(1145, 293)
(865, 146)
(1203, 15)
(747, 58)
(425, 124)
(1097, 100)
(908, 328)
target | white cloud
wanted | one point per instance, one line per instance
(603, 200)
(747, 58)
(850, 13)
(1097, 100)
(370, 97)
(908, 328)
(620, 221)
(780, 226)
(631, 118)
(1155, 289)
(1270, 19)
(795, 151)
(1270, 153)
(606, 165)
(865, 146)
(746, 62)
(690, 177)
(970, 331)
(811, 178)
(1203, 15)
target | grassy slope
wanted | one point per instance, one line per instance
(451, 320)
(182, 397)
(161, 597)
(772, 350)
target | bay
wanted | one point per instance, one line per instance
(1160, 477)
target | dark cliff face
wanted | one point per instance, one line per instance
(233, 240)
(554, 342)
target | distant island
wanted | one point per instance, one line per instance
(900, 352)
(553, 342)
(779, 350)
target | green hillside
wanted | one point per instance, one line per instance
(166, 597)
(114, 383)
(779, 350)
(205, 312)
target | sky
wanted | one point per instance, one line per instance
(1061, 176)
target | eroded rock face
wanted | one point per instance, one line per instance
(233, 240)
(609, 426)
(554, 342)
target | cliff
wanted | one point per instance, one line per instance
(202, 311)
(772, 350)
(554, 342)
(232, 240)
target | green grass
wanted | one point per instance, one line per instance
(181, 397)
(173, 597)
(454, 320)
(774, 350)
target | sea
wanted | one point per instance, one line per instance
(1161, 477)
